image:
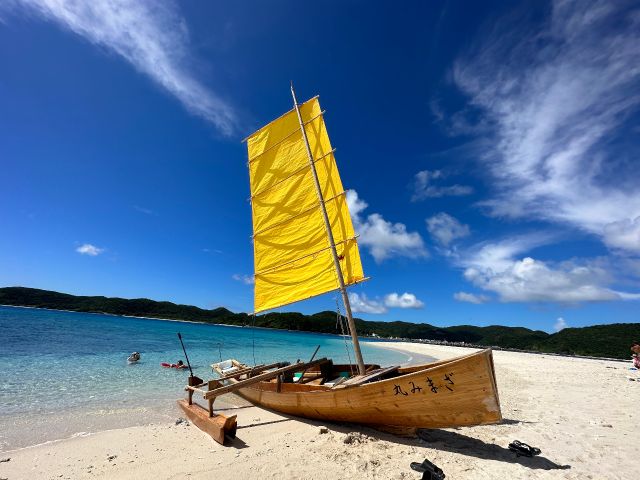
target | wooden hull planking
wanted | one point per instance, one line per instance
(458, 392)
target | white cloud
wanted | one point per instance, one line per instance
(246, 279)
(501, 268)
(88, 249)
(445, 229)
(151, 36)
(557, 98)
(623, 234)
(470, 298)
(361, 304)
(498, 256)
(560, 324)
(530, 280)
(383, 239)
(423, 186)
(406, 300)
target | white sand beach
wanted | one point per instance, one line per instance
(583, 415)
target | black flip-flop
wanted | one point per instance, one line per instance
(430, 471)
(523, 449)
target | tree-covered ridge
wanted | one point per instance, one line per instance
(599, 340)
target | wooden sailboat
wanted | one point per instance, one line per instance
(305, 245)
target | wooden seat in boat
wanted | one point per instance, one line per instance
(335, 382)
(375, 374)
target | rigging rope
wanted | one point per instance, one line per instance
(340, 320)
(253, 338)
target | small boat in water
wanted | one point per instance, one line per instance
(134, 357)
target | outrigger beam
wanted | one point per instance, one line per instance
(219, 427)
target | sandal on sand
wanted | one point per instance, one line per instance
(523, 449)
(429, 470)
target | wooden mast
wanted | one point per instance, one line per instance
(334, 253)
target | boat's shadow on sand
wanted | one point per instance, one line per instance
(446, 440)
(465, 445)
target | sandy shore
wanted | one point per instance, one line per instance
(583, 414)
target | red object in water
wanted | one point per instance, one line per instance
(172, 365)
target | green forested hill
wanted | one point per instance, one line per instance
(600, 340)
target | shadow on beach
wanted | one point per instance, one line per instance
(445, 440)
(465, 445)
(439, 439)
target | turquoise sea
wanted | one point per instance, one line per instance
(66, 373)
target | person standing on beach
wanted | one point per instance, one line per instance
(635, 348)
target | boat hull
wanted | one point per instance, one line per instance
(457, 392)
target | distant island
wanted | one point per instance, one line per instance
(599, 340)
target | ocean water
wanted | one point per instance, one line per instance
(66, 373)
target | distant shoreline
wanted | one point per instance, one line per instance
(364, 338)
(379, 342)
(122, 316)
(603, 341)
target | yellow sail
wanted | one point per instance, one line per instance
(292, 254)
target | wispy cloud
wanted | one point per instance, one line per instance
(88, 249)
(445, 229)
(557, 98)
(623, 234)
(502, 268)
(246, 279)
(146, 211)
(423, 186)
(471, 298)
(151, 36)
(560, 324)
(384, 239)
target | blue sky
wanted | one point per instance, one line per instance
(491, 150)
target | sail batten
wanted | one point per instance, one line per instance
(300, 170)
(270, 269)
(301, 235)
(246, 139)
(275, 145)
(293, 258)
(294, 217)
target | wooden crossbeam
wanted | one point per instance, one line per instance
(259, 378)
(238, 371)
(360, 379)
(253, 370)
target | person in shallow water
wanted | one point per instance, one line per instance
(635, 348)
(179, 364)
(134, 357)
